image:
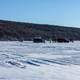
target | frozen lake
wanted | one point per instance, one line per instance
(39, 61)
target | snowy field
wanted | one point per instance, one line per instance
(39, 61)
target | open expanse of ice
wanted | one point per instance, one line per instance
(39, 61)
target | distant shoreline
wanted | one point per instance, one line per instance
(21, 31)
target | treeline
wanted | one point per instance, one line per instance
(11, 30)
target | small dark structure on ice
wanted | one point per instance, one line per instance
(61, 40)
(38, 40)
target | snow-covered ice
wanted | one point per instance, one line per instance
(39, 61)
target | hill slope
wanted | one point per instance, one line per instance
(11, 30)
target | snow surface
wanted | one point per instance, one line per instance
(39, 61)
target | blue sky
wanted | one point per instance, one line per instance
(58, 12)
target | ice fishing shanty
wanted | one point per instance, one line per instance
(62, 40)
(38, 40)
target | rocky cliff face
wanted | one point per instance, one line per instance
(10, 30)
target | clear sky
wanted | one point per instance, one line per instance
(59, 12)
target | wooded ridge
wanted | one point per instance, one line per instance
(12, 30)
